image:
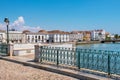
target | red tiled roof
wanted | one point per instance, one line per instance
(43, 31)
(57, 32)
(26, 31)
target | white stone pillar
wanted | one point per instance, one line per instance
(37, 53)
(10, 50)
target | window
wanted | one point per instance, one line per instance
(32, 38)
(35, 36)
(39, 37)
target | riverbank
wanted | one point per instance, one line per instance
(88, 42)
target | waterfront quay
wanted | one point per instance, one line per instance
(86, 42)
(99, 59)
(62, 61)
(59, 40)
(90, 58)
(14, 71)
(23, 67)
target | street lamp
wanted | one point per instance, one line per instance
(6, 20)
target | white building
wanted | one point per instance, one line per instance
(43, 36)
(110, 36)
(39, 37)
(76, 36)
(16, 37)
(98, 35)
(57, 36)
(2, 36)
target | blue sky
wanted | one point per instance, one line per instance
(64, 15)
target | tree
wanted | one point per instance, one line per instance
(116, 36)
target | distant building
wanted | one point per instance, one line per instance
(76, 36)
(98, 35)
(86, 35)
(57, 36)
(109, 36)
(54, 36)
(43, 36)
(39, 37)
(2, 36)
(16, 37)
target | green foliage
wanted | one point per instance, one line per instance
(108, 38)
(116, 36)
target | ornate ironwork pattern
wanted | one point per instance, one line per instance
(3, 49)
(114, 62)
(93, 59)
(98, 60)
(58, 55)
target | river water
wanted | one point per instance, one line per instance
(101, 46)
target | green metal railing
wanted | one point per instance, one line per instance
(93, 59)
(64, 56)
(98, 60)
(3, 49)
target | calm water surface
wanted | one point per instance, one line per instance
(104, 46)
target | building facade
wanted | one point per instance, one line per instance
(109, 36)
(76, 36)
(36, 38)
(57, 36)
(54, 36)
(86, 35)
(98, 35)
(2, 36)
(16, 37)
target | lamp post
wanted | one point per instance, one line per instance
(6, 20)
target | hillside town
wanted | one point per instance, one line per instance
(54, 36)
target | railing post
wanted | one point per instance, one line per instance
(37, 53)
(78, 58)
(108, 64)
(57, 57)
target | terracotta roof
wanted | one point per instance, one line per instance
(80, 31)
(74, 32)
(99, 30)
(88, 32)
(54, 31)
(26, 31)
(57, 32)
(43, 31)
(107, 33)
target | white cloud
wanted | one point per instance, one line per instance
(19, 25)
(33, 29)
(19, 22)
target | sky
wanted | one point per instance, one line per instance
(66, 15)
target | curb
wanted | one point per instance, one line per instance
(57, 70)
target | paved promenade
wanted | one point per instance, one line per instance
(27, 62)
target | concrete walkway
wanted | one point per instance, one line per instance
(76, 74)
